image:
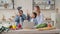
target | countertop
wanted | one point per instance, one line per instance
(31, 31)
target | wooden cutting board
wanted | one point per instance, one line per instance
(46, 28)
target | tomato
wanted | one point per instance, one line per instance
(49, 25)
(19, 25)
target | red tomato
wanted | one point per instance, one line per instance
(19, 25)
(49, 25)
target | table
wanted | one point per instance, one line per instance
(32, 31)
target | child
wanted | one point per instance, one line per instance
(32, 18)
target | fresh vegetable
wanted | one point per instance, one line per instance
(49, 25)
(2, 29)
(41, 25)
(19, 25)
(46, 28)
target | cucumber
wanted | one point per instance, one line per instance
(41, 25)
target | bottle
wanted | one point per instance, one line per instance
(21, 21)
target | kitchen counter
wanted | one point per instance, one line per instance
(32, 31)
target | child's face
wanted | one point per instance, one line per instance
(32, 15)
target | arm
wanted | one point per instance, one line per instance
(28, 17)
(16, 19)
(24, 17)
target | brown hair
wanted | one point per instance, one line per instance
(38, 8)
(34, 14)
(20, 11)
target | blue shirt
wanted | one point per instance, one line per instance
(17, 18)
(40, 18)
(34, 20)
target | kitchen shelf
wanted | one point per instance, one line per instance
(44, 6)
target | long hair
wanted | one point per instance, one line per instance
(38, 8)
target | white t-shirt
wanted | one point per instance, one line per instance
(40, 18)
(32, 20)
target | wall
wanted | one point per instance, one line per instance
(26, 4)
(58, 5)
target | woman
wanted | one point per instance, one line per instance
(39, 17)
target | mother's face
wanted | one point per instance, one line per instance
(35, 8)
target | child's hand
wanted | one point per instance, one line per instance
(19, 14)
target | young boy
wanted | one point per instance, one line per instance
(32, 18)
